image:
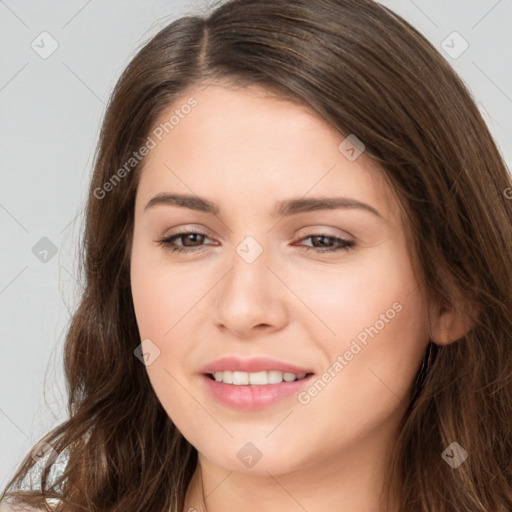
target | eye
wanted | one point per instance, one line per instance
(342, 245)
(188, 236)
(195, 238)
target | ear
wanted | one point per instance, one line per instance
(446, 324)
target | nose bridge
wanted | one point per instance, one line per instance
(249, 269)
(250, 294)
(251, 241)
(250, 249)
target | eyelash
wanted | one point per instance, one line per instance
(167, 243)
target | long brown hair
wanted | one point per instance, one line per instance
(367, 72)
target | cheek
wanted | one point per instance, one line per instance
(162, 293)
(371, 314)
(352, 296)
(162, 296)
(380, 338)
(367, 383)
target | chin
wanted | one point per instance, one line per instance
(258, 458)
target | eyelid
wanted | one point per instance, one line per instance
(313, 230)
(190, 228)
(325, 231)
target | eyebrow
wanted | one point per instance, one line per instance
(282, 208)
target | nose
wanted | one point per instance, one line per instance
(251, 298)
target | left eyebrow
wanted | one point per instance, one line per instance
(282, 208)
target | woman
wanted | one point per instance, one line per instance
(298, 283)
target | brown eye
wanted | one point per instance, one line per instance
(322, 240)
(191, 241)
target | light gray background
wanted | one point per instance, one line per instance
(51, 110)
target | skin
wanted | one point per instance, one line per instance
(245, 150)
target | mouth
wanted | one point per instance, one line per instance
(261, 378)
(253, 384)
(257, 391)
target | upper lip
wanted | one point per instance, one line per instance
(252, 365)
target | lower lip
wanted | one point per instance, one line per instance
(253, 398)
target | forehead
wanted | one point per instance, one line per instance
(237, 143)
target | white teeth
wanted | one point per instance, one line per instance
(240, 378)
(256, 379)
(274, 377)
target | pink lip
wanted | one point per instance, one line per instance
(251, 397)
(252, 365)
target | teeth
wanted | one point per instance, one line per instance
(274, 377)
(256, 379)
(240, 378)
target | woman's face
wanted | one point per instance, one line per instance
(255, 291)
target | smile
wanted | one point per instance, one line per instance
(246, 396)
(261, 378)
